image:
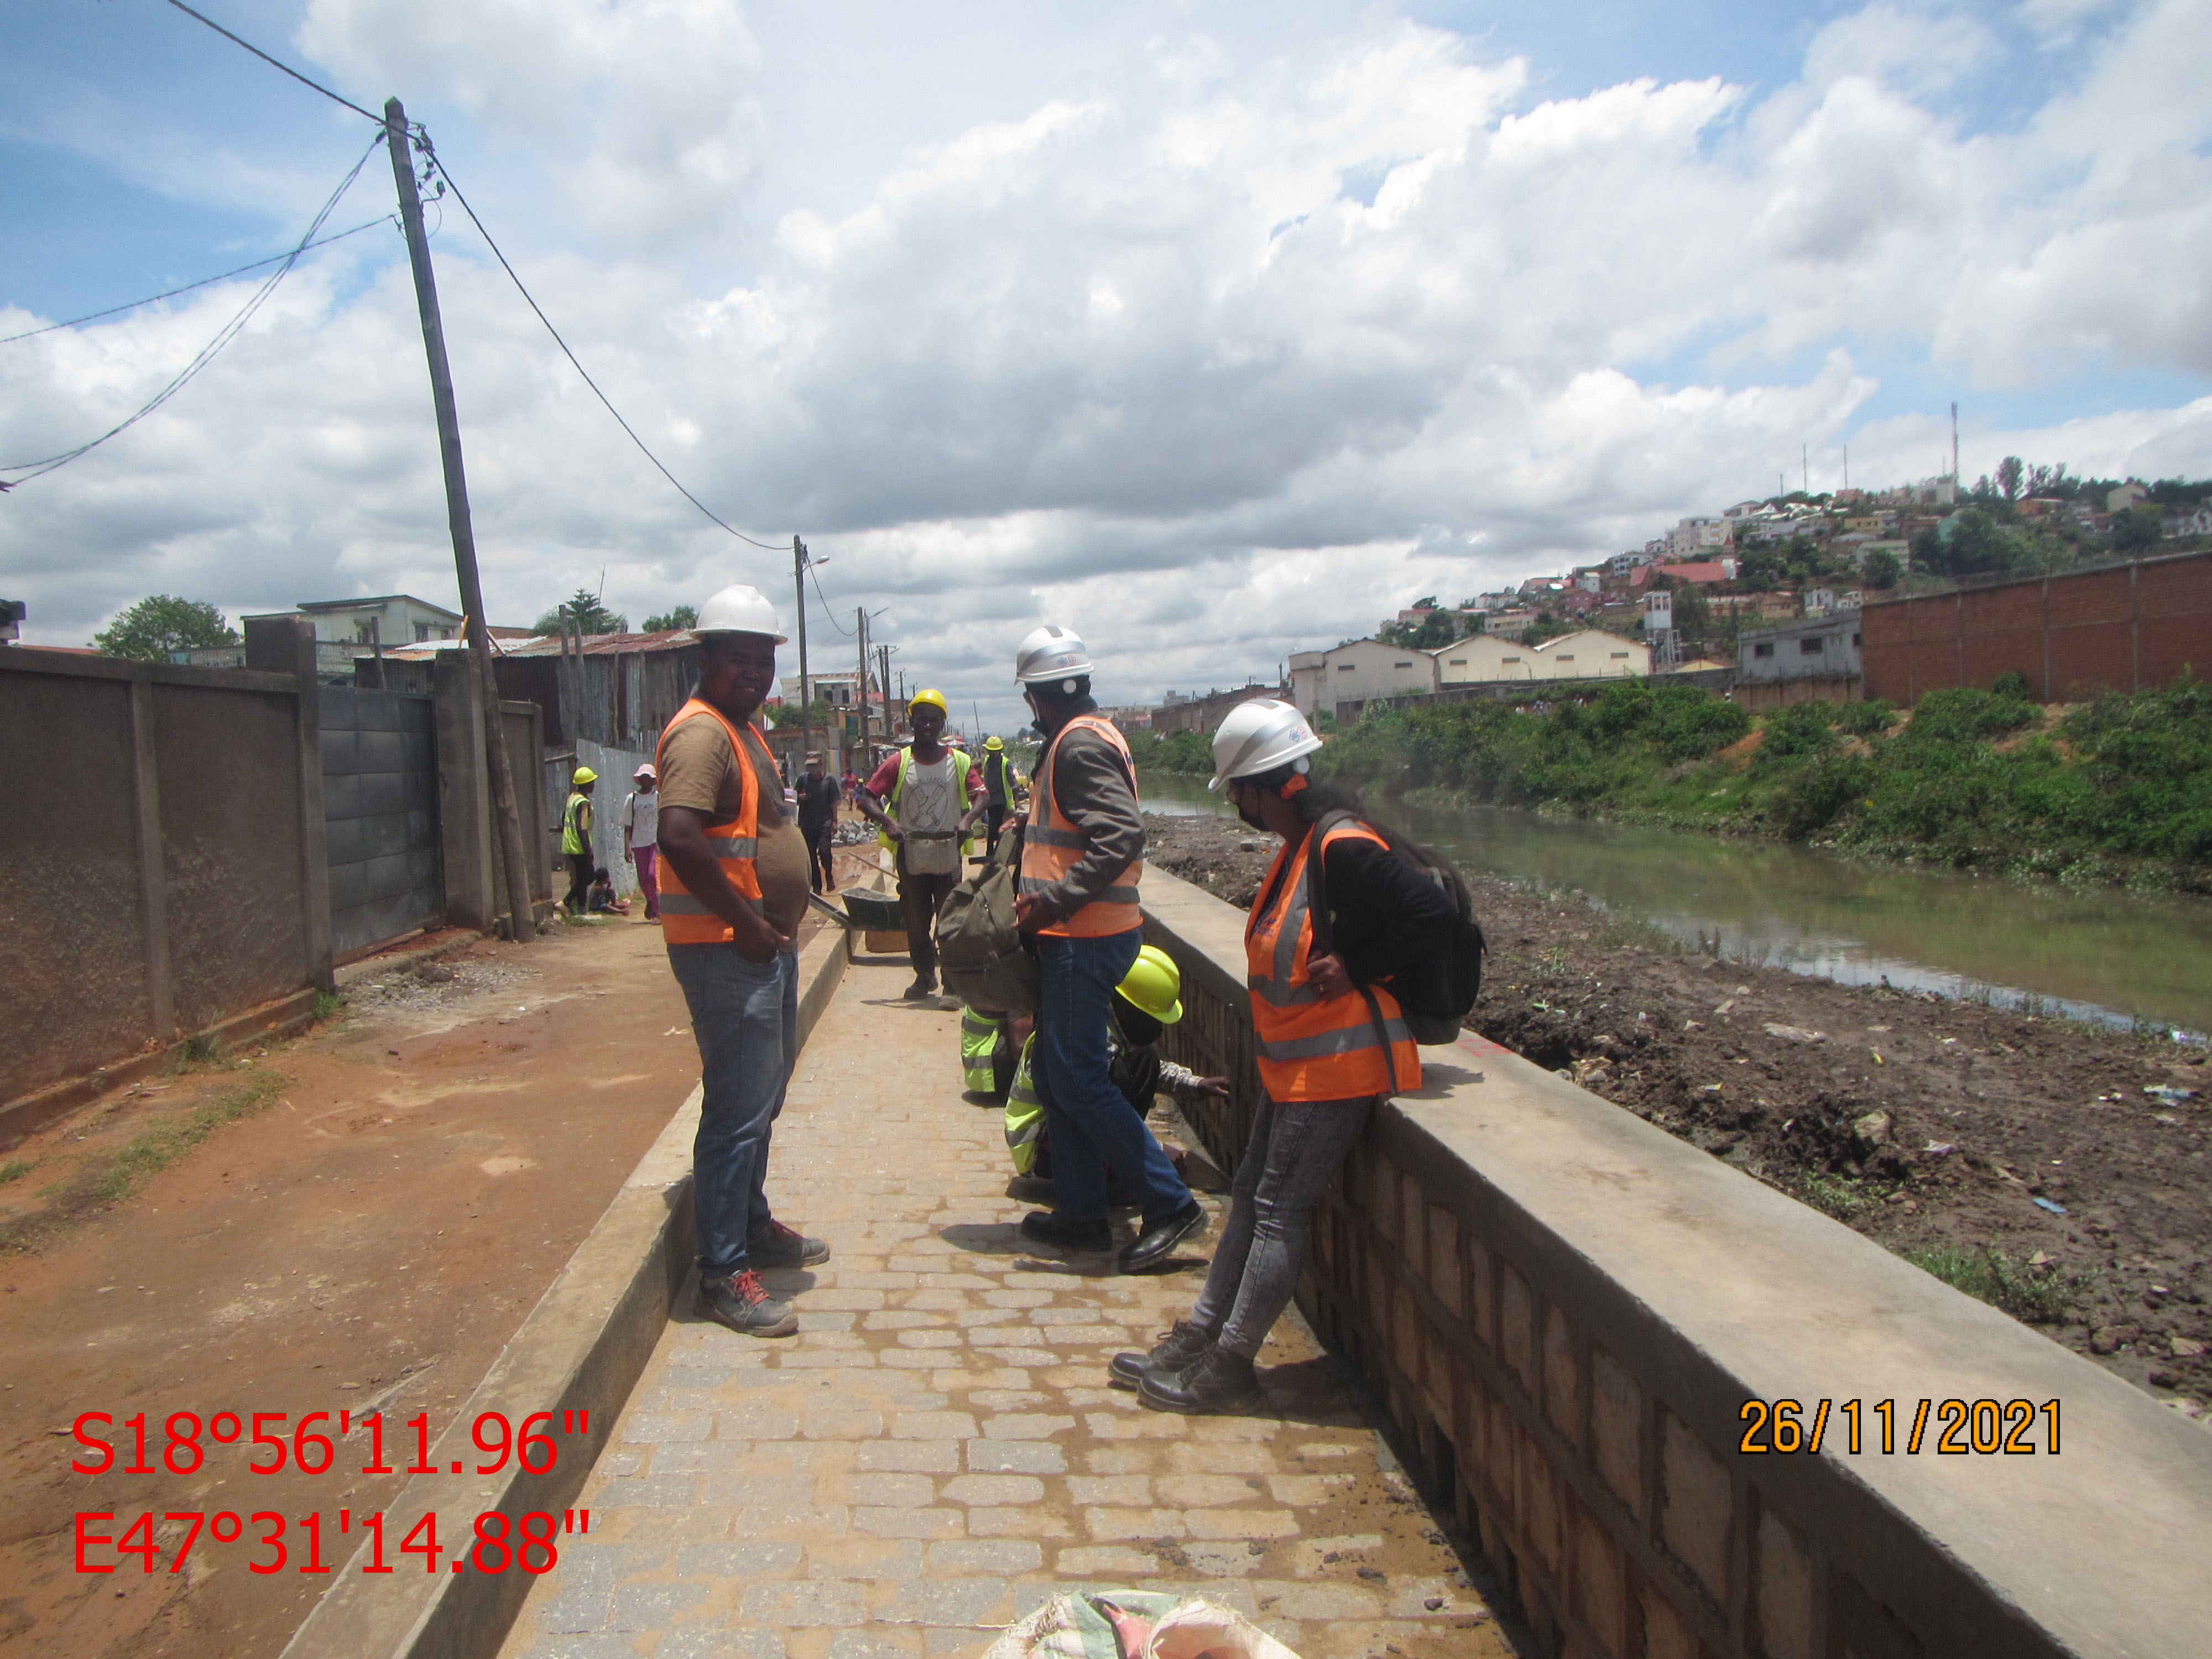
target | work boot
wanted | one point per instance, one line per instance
(742, 1302)
(785, 1246)
(923, 988)
(1046, 1227)
(1218, 1381)
(1183, 1345)
(1150, 1248)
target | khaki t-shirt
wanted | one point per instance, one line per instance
(698, 770)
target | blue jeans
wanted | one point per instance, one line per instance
(1091, 1124)
(746, 1017)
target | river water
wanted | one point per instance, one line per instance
(2103, 954)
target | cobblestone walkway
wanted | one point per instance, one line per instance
(936, 1451)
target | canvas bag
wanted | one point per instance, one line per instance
(980, 956)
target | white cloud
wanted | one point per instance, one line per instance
(1215, 357)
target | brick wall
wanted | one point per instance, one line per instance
(2071, 635)
(1563, 1310)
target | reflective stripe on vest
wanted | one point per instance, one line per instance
(1025, 1113)
(961, 766)
(572, 828)
(1054, 844)
(979, 1041)
(684, 919)
(1309, 1047)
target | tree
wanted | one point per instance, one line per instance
(1881, 569)
(2137, 528)
(1437, 628)
(582, 609)
(683, 615)
(2010, 472)
(155, 626)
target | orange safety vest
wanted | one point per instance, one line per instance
(1051, 845)
(684, 919)
(1308, 1047)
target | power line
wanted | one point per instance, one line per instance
(204, 281)
(828, 609)
(207, 353)
(422, 139)
(275, 63)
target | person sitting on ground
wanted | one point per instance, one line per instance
(925, 799)
(1147, 1001)
(1330, 1041)
(601, 899)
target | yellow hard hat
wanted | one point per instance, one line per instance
(1154, 984)
(934, 699)
(992, 743)
(584, 775)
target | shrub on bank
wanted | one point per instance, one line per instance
(1971, 777)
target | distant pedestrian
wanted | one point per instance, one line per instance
(732, 893)
(1329, 1041)
(576, 838)
(1001, 783)
(925, 798)
(641, 835)
(818, 795)
(1083, 854)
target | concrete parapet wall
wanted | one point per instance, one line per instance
(1564, 1308)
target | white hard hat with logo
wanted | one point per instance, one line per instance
(738, 609)
(1258, 736)
(1050, 652)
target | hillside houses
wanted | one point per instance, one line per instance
(1366, 671)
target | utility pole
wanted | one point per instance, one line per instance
(806, 698)
(860, 685)
(523, 917)
(1954, 451)
(883, 655)
(1805, 467)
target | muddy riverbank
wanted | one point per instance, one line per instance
(2056, 1168)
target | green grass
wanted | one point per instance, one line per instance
(1986, 1273)
(2118, 789)
(1838, 1196)
(328, 1005)
(13, 1169)
(107, 1177)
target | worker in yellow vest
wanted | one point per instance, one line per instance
(1083, 850)
(576, 838)
(733, 890)
(925, 799)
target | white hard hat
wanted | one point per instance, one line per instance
(1050, 653)
(1258, 736)
(738, 609)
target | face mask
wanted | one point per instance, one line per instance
(1251, 818)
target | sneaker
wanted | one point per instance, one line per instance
(1183, 1345)
(742, 1302)
(1046, 1227)
(786, 1247)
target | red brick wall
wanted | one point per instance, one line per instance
(2071, 635)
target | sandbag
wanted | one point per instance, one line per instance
(980, 956)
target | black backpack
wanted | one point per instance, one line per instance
(1435, 991)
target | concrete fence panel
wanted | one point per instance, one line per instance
(1566, 1312)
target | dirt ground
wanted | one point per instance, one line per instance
(355, 1220)
(2026, 1158)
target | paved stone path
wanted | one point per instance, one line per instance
(936, 1451)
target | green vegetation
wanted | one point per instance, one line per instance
(13, 1169)
(328, 1005)
(1190, 753)
(2119, 788)
(108, 1177)
(2029, 1294)
(582, 609)
(683, 615)
(154, 627)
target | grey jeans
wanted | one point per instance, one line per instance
(1296, 1149)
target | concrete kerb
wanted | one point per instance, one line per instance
(583, 1349)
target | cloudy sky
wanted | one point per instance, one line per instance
(1216, 330)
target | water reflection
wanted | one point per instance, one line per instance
(2101, 955)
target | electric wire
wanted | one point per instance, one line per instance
(828, 610)
(204, 281)
(207, 353)
(423, 140)
(275, 63)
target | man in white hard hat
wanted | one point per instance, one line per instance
(1083, 852)
(732, 889)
